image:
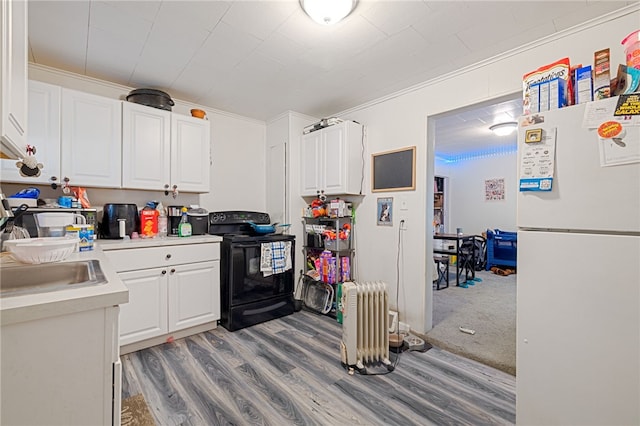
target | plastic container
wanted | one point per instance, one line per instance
(336, 244)
(42, 250)
(631, 45)
(85, 233)
(54, 224)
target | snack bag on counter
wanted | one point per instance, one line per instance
(81, 194)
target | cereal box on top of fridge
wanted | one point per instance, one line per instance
(557, 69)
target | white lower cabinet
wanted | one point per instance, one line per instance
(171, 288)
(145, 315)
(193, 300)
(61, 370)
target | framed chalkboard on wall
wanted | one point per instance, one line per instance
(394, 170)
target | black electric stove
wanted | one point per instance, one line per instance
(250, 296)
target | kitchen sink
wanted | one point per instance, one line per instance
(21, 279)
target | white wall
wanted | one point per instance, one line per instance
(401, 120)
(466, 204)
(237, 151)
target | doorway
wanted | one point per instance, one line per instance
(468, 157)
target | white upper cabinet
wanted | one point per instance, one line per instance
(44, 135)
(13, 78)
(91, 139)
(190, 153)
(332, 160)
(162, 150)
(146, 147)
(311, 163)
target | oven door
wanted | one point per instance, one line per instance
(247, 283)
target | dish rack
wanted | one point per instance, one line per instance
(318, 296)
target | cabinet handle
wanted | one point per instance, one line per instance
(173, 270)
(164, 272)
(168, 256)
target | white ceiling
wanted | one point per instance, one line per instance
(465, 133)
(261, 58)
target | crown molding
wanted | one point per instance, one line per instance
(627, 10)
(126, 89)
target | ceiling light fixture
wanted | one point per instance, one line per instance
(328, 12)
(504, 129)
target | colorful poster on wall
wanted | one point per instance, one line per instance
(537, 163)
(494, 189)
(385, 211)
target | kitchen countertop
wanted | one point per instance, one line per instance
(157, 242)
(28, 307)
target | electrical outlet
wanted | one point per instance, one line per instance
(403, 224)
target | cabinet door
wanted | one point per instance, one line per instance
(91, 139)
(13, 77)
(145, 315)
(190, 153)
(146, 134)
(194, 294)
(335, 161)
(44, 135)
(311, 163)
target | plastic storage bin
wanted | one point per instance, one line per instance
(502, 248)
(336, 244)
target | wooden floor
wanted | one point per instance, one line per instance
(287, 371)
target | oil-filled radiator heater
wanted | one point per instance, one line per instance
(365, 324)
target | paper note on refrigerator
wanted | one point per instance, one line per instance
(537, 163)
(618, 143)
(596, 113)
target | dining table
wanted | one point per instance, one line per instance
(452, 246)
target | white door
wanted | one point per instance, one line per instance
(311, 164)
(91, 140)
(578, 323)
(194, 294)
(145, 315)
(276, 182)
(334, 154)
(44, 135)
(146, 144)
(190, 153)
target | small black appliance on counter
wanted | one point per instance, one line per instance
(199, 220)
(113, 214)
(175, 215)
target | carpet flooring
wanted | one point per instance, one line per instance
(489, 308)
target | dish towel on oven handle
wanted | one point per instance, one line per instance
(275, 257)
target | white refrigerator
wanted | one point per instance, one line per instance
(578, 282)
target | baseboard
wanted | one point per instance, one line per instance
(147, 343)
